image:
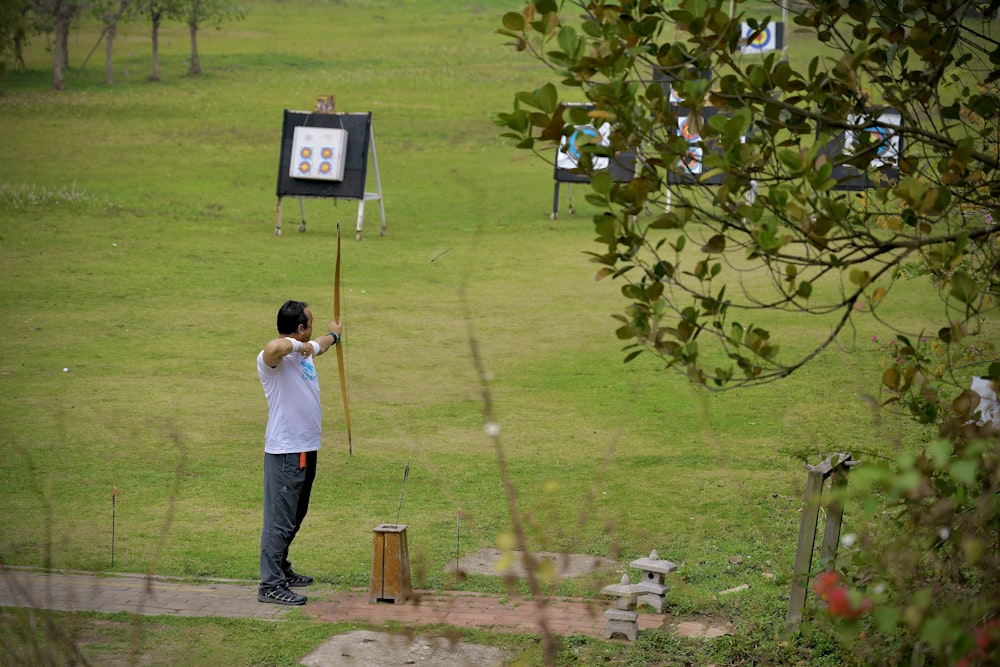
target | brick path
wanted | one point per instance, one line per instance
(139, 594)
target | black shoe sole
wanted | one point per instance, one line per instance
(263, 598)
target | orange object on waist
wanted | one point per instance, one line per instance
(302, 459)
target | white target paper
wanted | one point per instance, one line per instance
(318, 153)
(692, 161)
(885, 139)
(569, 153)
(768, 39)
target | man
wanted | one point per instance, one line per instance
(292, 439)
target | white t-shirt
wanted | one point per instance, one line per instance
(293, 409)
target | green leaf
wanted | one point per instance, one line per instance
(513, 21)
(548, 98)
(886, 619)
(568, 40)
(964, 471)
(963, 287)
(936, 631)
(602, 182)
(891, 378)
(715, 245)
(860, 278)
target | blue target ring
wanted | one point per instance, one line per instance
(573, 149)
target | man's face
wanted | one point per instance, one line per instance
(304, 334)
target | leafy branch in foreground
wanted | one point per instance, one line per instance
(811, 187)
(765, 165)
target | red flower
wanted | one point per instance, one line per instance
(838, 597)
(826, 582)
(841, 604)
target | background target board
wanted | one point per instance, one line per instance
(770, 38)
(885, 142)
(356, 128)
(692, 161)
(567, 167)
(571, 148)
(691, 165)
(318, 153)
(885, 139)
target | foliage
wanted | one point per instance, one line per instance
(868, 163)
(768, 192)
(61, 13)
(14, 27)
(196, 13)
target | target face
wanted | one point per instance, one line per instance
(583, 135)
(884, 139)
(320, 153)
(768, 39)
(691, 161)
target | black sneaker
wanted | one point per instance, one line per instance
(296, 580)
(281, 595)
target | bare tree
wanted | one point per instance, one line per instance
(61, 12)
(196, 13)
(157, 11)
(110, 13)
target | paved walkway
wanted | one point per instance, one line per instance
(154, 595)
(144, 595)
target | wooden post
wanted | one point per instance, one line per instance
(390, 580)
(807, 530)
(834, 516)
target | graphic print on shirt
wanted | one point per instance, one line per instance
(308, 370)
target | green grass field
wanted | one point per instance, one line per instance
(142, 277)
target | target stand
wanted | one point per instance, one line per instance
(325, 156)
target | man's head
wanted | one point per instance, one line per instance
(295, 319)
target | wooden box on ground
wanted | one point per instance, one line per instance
(390, 580)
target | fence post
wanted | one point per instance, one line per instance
(817, 475)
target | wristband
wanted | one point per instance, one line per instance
(336, 337)
(296, 345)
(315, 347)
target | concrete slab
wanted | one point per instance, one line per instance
(382, 649)
(485, 562)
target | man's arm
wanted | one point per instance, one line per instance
(282, 347)
(328, 340)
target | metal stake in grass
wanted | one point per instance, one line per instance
(406, 473)
(114, 494)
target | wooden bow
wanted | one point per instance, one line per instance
(340, 349)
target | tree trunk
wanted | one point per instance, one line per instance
(19, 50)
(58, 56)
(155, 74)
(109, 72)
(65, 44)
(194, 68)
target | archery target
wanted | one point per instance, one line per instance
(570, 152)
(691, 161)
(770, 38)
(885, 140)
(318, 153)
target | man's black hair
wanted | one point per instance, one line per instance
(291, 315)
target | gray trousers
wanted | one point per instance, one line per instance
(286, 500)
